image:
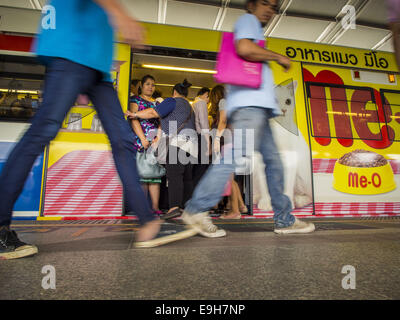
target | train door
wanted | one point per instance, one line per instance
(354, 132)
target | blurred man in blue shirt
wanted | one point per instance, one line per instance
(77, 50)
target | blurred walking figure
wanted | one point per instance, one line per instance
(78, 55)
(249, 108)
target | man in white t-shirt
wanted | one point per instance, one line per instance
(249, 108)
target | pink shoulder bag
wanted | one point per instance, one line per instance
(232, 69)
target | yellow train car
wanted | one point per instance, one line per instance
(339, 133)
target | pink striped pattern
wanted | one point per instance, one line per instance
(85, 183)
(351, 209)
(327, 165)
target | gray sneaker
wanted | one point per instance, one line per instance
(297, 227)
(201, 222)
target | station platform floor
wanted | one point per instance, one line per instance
(96, 260)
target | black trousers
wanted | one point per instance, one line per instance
(200, 169)
(180, 181)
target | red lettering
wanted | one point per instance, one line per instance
(319, 107)
(365, 118)
(363, 181)
(319, 116)
(341, 117)
(388, 111)
(378, 183)
(353, 180)
(370, 119)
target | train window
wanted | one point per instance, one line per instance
(74, 121)
(343, 112)
(96, 124)
(391, 107)
(21, 82)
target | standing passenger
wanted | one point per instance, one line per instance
(135, 87)
(176, 113)
(249, 108)
(201, 121)
(146, 131)
(236, 203)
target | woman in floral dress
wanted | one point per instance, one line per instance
(145, 131)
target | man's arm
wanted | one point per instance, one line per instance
(159, 111)
(131, 31)
(251, 51)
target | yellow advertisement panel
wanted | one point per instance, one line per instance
(334, 55)
(353, 125)
(338, 137)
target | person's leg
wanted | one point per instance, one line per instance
(234, 198)
(242, 205)
(145, 187)
(63, 82)
(121, 137)
(154, 190)
(200, 168)
(211, 187)
(234, 212)
(175, 177)
(275, 179)
(174, 174)
(187, 183)
(285, 222)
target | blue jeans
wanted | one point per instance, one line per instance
(64, 80)
(210, 188)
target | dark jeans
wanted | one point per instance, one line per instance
(63, 82)
(210, 188)
(180, 181)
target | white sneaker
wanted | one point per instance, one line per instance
(297, 227)
(201, 222)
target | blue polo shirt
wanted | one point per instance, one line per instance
(249, 27)
(82, 34)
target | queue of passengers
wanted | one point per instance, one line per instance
(175, 176)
